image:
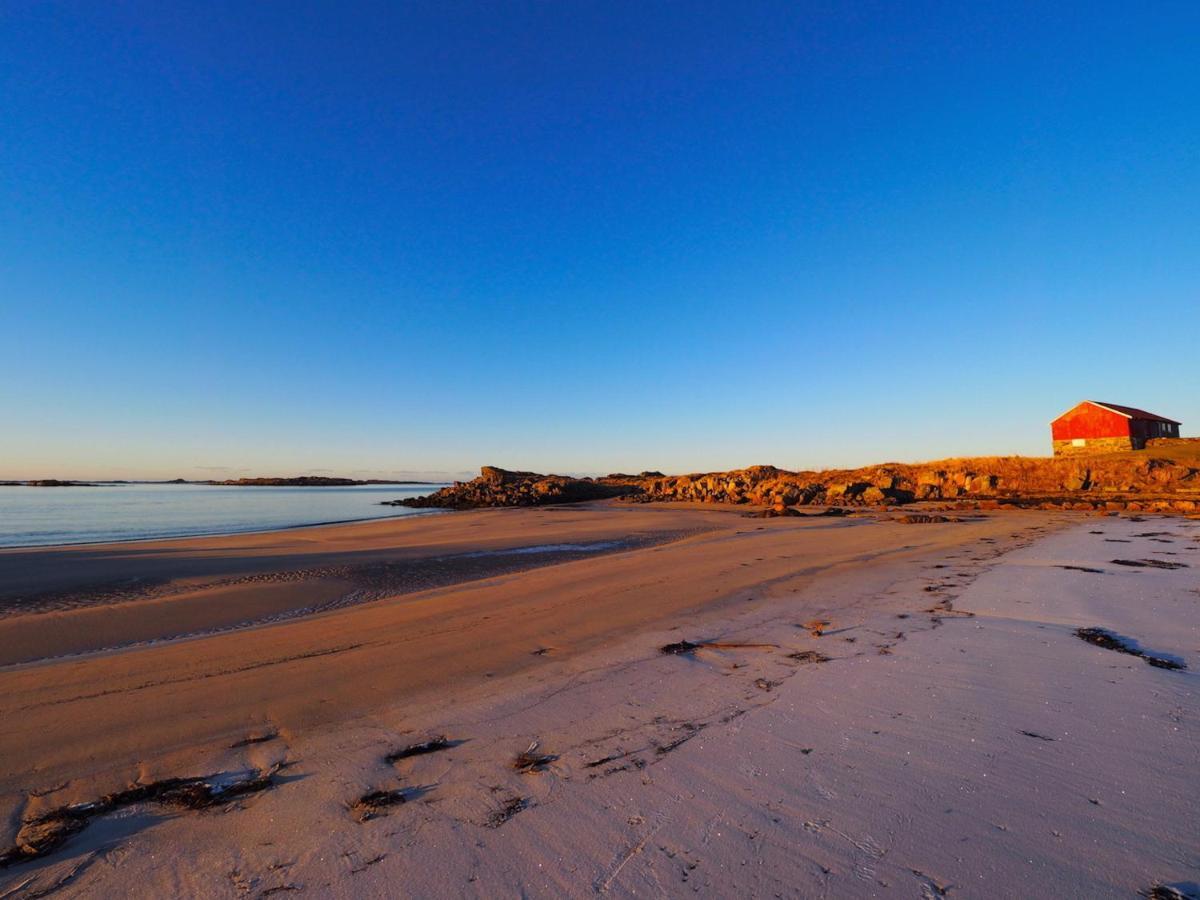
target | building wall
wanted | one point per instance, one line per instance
(1148, 430)
(1090, 446)
(1088, 421)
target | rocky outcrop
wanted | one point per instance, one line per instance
(501, 487)
(1131, 483)
(1134, 483)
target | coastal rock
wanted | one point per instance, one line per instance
(495, 475)
(976, 483)
(503, 487)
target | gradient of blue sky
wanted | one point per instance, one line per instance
(587, 236)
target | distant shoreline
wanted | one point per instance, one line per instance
(301, 481)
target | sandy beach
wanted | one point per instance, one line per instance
(862, 708)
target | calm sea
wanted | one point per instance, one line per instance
(31, 516)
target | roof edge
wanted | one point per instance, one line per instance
(1109, 408)
(1152, 418)
(1079, 404)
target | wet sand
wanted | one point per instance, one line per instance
(795, 762)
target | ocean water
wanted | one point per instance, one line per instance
(38, 516)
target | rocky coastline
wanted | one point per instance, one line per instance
(501, 487)
(1135, 484)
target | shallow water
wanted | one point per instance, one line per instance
(31, 517)
(593, 547)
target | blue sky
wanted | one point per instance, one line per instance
(385, 238)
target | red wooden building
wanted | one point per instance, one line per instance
(1093, 427)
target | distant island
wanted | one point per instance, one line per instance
(47, 482)
(307, 481)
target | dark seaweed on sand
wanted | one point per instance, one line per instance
(45, 833)
(529, 760)
(808, 656)
(377, 803)
(506, 811)
(1102, 637)
(1149, 564)
(682, 647)
(679, 647)
(433, 745)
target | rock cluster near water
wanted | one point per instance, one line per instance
(501, 487)
(1139, 483)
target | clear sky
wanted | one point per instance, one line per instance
(387, 238)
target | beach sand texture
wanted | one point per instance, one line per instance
(856, 707)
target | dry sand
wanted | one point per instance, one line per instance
(959, 739)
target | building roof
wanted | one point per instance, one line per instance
(1129, 412)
